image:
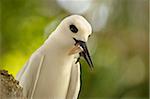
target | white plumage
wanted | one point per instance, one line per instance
(52, 71)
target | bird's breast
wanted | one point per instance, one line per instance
(54, 75)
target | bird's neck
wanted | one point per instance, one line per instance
(59, 42)
(58, 52)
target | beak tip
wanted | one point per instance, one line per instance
(91, 67)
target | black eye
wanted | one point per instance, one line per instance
(89, 36)
(73, 28)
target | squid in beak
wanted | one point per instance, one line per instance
(81, 48)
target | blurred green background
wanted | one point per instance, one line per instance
(119, 44)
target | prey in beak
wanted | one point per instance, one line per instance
(81, 48)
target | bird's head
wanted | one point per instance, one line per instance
(76, 30)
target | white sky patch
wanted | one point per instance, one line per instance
(75, 6)
(99, 17)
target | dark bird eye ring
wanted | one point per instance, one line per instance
(73, 28)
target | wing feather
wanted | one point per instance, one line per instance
(37, 76)
(29, 74)
(74, 84)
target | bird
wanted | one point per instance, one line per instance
(53, 70)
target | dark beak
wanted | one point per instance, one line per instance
(85, 52)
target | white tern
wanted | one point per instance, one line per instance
(53, 70)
